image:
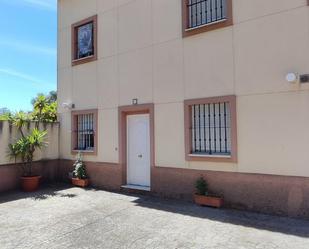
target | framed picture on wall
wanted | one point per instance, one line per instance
(84, 41)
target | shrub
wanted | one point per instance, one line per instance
(25, 147)
(201, 186)
(79, 168)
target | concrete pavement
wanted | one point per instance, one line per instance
(67, 217)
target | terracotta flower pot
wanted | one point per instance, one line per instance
(210, 201)
(80, 182)
(30, 183)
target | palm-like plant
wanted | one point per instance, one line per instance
(45, 110)
(39, 106)
(18, 150)
(25, 147)
(20, 120)
(28, 142)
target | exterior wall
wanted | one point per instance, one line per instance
(10, 173)
(8, 134)
(102, 175)
(141, 54)
(281, 195)
(46, 160)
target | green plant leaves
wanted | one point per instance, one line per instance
(44, 110)
(79, 167)
(201, 186)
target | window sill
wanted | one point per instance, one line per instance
(86, 152)
(205, 25)
(84, 60)
(211, 158)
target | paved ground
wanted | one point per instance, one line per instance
(65, 217)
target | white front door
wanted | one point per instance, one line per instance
(138, 150)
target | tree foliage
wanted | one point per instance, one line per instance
(50, 97)
(44, 109)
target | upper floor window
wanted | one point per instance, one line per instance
(204, 15)
(84, 131)
(84, 41)
(211, 128)
(203, 12)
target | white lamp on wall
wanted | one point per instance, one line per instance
(292, 77)
(69, 106)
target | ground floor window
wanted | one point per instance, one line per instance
(211, 127)
(84, 130)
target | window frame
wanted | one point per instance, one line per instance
(231, 99)
(74, 28)
(186, 31)
(74, 124)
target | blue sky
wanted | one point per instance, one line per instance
(28, 51)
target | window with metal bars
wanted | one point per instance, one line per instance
(203, 12)
(211, 129)
(84, 133)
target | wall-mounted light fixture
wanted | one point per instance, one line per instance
(297, 78)
(68, 105)
(304, 78)
(134, 101)
(292, 77)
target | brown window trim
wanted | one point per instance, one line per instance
(207, 27)
(188, 136)
(93, 57)
(74, 127)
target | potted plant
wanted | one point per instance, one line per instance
(202, 197)
(80, 178)
(24, 149)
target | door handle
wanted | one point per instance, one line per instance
(140, 155)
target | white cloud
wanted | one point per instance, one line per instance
(50, 5)
(28, 48)
(46, 4)
(35, 82)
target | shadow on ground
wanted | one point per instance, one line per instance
(44, 193)
(285, 225)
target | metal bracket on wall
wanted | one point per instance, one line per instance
(304, 78)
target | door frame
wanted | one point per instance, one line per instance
(123, 112)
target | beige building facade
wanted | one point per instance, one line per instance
(169, 61)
